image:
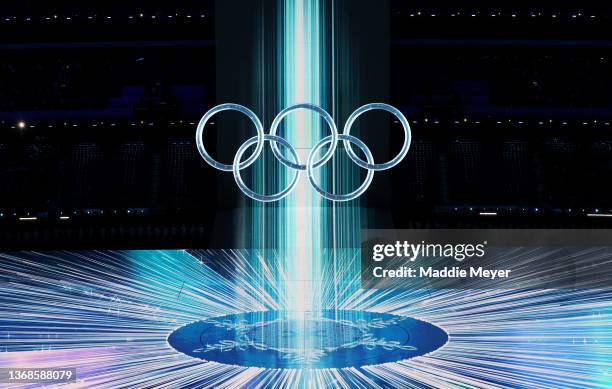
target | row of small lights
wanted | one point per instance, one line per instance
(485, 212)
(22, 125)
(65, 216)
(496, 14)
(589, 212)
(416, 13)
(140, 16)
(514, 122)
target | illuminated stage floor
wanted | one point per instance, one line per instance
(110, 315)
(327, 339)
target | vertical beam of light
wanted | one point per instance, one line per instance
(302, 81)
(345, 218)
(301, 63)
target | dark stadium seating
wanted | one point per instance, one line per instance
(97, 127)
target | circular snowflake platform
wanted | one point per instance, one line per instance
(326, 339)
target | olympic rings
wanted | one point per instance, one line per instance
(323, 113)
(337, 197)
(229, 107)
(405, 147)
(256, 196)
(311, 163)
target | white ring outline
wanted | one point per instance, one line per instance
(229, 107)
(257, 196)
(407, 136)
(341, 197)
(311, 107)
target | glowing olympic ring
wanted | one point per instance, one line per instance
(312, 164)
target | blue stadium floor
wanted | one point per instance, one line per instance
(184, 319)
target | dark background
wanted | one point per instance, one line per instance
(510, 107)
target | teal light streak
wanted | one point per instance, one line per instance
(317, 240)
(305, 216)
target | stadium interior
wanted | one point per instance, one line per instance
(510, 108)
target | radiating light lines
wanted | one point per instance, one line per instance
(109, 314)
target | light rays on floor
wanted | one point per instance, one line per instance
(109, 314)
